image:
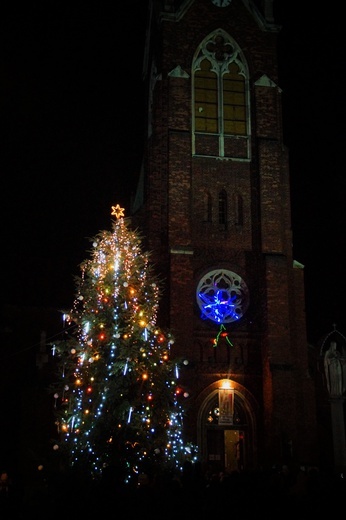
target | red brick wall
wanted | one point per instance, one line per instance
(269, 357)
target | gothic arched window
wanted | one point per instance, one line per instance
(208, 208)
(220, 99)
(239, 210)
(223, 208)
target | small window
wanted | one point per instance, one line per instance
(208, 208)
(223, 208)
(239, 211)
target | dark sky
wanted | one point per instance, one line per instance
(72, 105)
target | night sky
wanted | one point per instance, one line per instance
(72, 108)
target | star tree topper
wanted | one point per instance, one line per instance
(118, 211)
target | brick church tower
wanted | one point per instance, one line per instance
(213, 205)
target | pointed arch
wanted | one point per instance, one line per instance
(239, 208)
(244, 422)
(208, 207)
(220, 98)
(223, 209)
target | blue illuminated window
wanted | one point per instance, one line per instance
(222, 296)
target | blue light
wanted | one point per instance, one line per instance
(219, 306)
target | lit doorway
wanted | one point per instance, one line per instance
(234, 450)
(225, 449)
(227, 443)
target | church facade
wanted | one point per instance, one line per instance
(213, 203)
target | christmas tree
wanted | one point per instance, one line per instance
(117, 398)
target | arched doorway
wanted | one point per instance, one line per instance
(227, 427)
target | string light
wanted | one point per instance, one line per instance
(114, 346)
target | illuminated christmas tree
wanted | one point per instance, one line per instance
(118, 402)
